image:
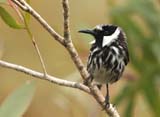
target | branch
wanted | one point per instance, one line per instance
(67, 43)
(94, 91)
(49, 78)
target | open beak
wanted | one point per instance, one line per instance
(87, 31)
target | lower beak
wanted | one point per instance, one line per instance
(87, 31)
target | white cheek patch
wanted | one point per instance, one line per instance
(99, 27)
(108, 39)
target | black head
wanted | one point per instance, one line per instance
(101, 31)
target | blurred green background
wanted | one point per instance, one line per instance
(137, 94)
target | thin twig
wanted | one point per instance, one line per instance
(36, 47)
(23, 19)
(67, 35)
(49, 78)
(39, 55)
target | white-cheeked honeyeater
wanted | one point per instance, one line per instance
(108, 55)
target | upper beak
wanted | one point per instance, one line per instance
(87, 31)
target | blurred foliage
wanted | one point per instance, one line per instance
(140, 19)
(18, 101)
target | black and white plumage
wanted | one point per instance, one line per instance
(108, 54)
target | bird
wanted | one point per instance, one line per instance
(108, 55)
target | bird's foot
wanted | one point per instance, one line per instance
(106, 103)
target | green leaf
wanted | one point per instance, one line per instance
(3, 1)
(17, 102)
(9, 20)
